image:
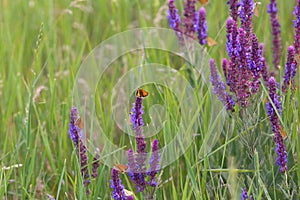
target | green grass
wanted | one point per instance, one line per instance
(43, 43)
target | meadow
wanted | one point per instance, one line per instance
(42, 47)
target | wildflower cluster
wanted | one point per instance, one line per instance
(247, 64)
(274, 111)
(137, 162)
(194, 22)
(243, 69)
(137, 170)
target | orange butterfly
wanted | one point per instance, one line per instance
(141, 93)
(211, 42)
(79, 123)
(282, 132)
(255, 9)
(203, 2)
(121, 168)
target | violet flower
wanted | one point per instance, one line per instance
(276, 35)
(136, 114)
(154, 164)
(95, 166)
(219, 87)
(234, 9)
(281, 152)
(118, 189)
(265, 70)
(243, 76)
(174, 20)
(232, 34)
(75, 132)
(255, 64)
(232, 50)
(276, 126)
(246, 15)
(202, 26)
(134, 173)
(137, 163)
(84, 164)
(190, 19)
(244, 195)
(242, 71)
(290, 69)
(297, 28)
(76, 135)
(225, 68)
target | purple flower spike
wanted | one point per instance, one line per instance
(255, 64)
(246, 15)
(234, 9)
(244, 195)
(83, 163)
(265, 70)
(233, 53)
(137, 123)
(190, 20)
(140, 159)
(219, 87)
(174, 20)
(154, 164)
(276, 126)
(232, 34)
(261, 49)
(243, 76)
(137, 163)
(134, 172)
(95, 166)
(276, 35)
(274, 97)
(290, 69)
(75, 134)
(225, 68)
(297, 28)
(281, 152)
(202, 26)
(118, 189)
(136, 114)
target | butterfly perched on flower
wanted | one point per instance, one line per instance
(282, 132)
(121, 168)
(141, 93)
(203, 2)
(79, 123)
